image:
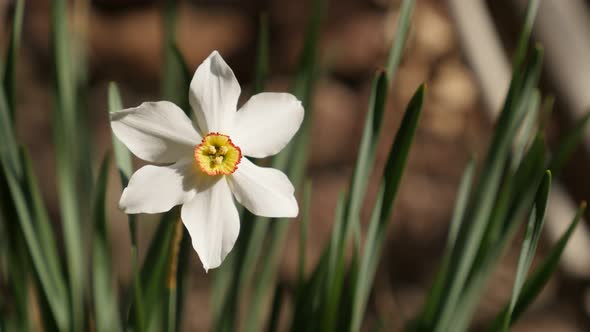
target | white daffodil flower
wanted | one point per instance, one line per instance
(205, 161)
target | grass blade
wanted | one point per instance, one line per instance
(32, 216)
(172, 82)
(170, 322)
(403, 25)
(53, 291)
(469, 240)
(12, 56)
(69, 161)
(435, 293)
(277, 305)
(105, 302)
(46, 235)
(527, 129)
(367, 267)
(529, 246)
(262, 63)
(398, 155)
(366, 155)
(515, 200)
(525, 33)
(9, 146)
(307, 191)
(535, 283)
(336, 268)
(392, 174)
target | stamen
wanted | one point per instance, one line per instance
(217, 155)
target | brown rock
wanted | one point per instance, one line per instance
(336, 124)
(355, 45)
(449, 125)
(131, 45)
(408, 78)
(557, 318)
(453, 87)
(434, 36)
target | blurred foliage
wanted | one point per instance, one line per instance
(513, 185)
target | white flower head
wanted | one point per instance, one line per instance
(205, 160)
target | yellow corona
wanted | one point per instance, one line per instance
(217, 155)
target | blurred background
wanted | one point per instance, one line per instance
(461, 52)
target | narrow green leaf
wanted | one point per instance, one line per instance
(262, 63)
(12, 56)
(278, 231)
(401, 35)
(540, 276)
(309, 300)
(366, 269)
(336, 268)
(183, 277)
(546, 110)
(105, 301)
(42, 224)
(435, 293)
(172, 82)
(515, 201)
(529, 246)
(155, 266)
(9, 146)
(170, 322)
(14, 270)
(391, 179)
(528, 128)
(398, 155)
(69, 162)
(372, 130)
(469, 240)
(461, 203)
(366, 155)
(525, 33)
(186, 71)
(267, 273)
(307, 190)
(277, 305)
(53, 292)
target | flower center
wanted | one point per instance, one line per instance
(217, 155)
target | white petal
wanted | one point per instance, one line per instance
(214, 94)
(212, 220)
(155, 189)
(264, 191)
(157, 131)
(266, 123)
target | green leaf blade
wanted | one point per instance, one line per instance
(105, 302)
